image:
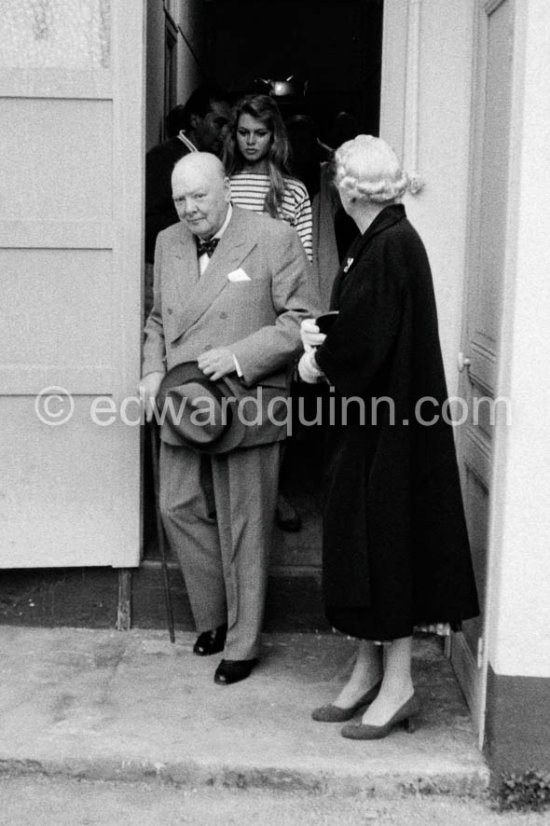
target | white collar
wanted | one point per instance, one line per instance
(185, 140)
(223, 227)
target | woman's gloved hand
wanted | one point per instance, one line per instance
(308, 369)
(310, 334)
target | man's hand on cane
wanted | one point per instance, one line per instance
(148, 389)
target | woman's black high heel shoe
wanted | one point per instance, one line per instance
(403, 715)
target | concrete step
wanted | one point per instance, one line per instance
(132, 706)
(87, 597)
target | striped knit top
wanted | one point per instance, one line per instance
(248, 190)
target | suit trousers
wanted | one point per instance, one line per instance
(218, 513)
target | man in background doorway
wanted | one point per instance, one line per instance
(197, 126)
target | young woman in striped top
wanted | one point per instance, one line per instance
(256, 158)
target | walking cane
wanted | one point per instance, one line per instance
(160, 532)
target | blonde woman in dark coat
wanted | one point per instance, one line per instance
(395, 546)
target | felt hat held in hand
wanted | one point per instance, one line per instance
(203, 414)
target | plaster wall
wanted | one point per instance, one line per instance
(519, 609)
(427, 63)
(394, 70)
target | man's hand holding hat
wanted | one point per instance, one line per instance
(217, 363)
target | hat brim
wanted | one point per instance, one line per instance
(218, 440)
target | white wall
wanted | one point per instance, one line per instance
(425, 115)
(519, 609)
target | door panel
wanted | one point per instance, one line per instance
(488, 211)
(56, 490)
(60, 311)
(67, 174)
(71, 123)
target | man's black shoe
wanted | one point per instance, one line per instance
(232, 671)
(210, 642)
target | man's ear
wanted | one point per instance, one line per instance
(194, 120)
(227, 188)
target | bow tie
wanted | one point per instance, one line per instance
(206, 247)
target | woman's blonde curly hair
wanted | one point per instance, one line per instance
(367, 169)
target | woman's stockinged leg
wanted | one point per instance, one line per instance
(366, 673)
(397, 686)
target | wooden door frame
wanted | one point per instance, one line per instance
(129, 95)
(466, 665)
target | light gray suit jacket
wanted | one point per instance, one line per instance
(257, 319)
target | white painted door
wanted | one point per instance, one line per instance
(479, 358)
(71, 126)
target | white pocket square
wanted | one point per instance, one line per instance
(238, 275)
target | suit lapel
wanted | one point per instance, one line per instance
(184, 267)
(196, 293)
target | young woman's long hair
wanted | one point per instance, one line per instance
(264, 109)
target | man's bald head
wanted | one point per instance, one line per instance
(201, 192)
(199, 163)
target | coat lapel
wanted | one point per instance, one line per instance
(196, 293)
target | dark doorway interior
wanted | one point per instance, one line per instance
(333, 46)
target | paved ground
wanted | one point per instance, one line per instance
(107, 705)
(36, 800)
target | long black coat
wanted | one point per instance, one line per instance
(395, 549)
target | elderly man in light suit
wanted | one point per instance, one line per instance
(235, 308)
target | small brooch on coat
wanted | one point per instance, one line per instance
(349, 262)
